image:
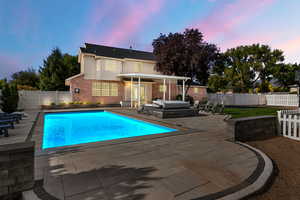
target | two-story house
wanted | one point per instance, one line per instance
(109, 75)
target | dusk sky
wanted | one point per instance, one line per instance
(29, 29)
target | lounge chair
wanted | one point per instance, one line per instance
(10, 122)
(4, 129)
(16, 115)
(14, 118)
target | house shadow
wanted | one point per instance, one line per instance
(108, 182)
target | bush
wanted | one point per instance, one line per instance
(188, 98)
(9, 98)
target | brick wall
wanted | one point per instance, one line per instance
(16, 169)
(85, 94)
(253, 128)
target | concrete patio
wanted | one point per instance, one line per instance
(185, 166)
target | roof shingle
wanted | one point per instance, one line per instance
(114, 52)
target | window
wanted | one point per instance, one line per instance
(104, 89)
(162, 88)
(98, 66)
(137, 67)
(196, 90)
(110, 66)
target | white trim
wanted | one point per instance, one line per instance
(154, 76)
(140, 60)
(72, 77)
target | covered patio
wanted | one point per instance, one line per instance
(166, 81)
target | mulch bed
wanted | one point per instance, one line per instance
(286, 154)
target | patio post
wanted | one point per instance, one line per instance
(139, 92)
(131, 93)
(164, 89)
(183, 90)
(169, 89)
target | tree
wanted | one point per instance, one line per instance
(185, 54)
(56, 69)
(27, 78)
(9, 98)
(217, 83)
(285, 74)
(246, 65)
(2, 82)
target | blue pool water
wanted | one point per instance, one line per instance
(62, 129)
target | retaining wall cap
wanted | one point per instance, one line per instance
(251, 118)
(16, 146)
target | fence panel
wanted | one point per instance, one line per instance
(34, 99)
(289, 123)
(238, 99)
(282, 100)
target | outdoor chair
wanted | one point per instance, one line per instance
(217, 108)
(13, 118)
(9, 122)
(4, 129)
(16, 115)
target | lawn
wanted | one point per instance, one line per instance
(250, 112)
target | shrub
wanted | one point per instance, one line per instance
(188, 98)
(9, 98)
(52, 104)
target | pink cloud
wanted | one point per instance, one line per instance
(98, 14)
(291, 46)
(225, 18)
(130, 24)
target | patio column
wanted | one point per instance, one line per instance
(139, 92)
(169, 89)
(183, 90)
(164, 89)
(131, 93)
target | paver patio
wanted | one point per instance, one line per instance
(183, 166)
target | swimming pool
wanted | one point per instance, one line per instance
(71, 128)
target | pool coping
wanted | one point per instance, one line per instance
(252, 185)
(69, 148)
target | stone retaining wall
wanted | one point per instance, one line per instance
(253, 128)
(16, 169)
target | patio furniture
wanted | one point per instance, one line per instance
(4, 129)
(16, 115)
(7, 117)
(9, 122)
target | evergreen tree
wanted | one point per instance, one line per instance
(56, 69)
(9, 98)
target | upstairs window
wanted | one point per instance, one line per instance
(111, 66)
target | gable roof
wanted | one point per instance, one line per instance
(114, 52)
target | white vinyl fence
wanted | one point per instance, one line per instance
(282, 100)
(238, 99)
(34, 99)
(255, 99)
(289, 123)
